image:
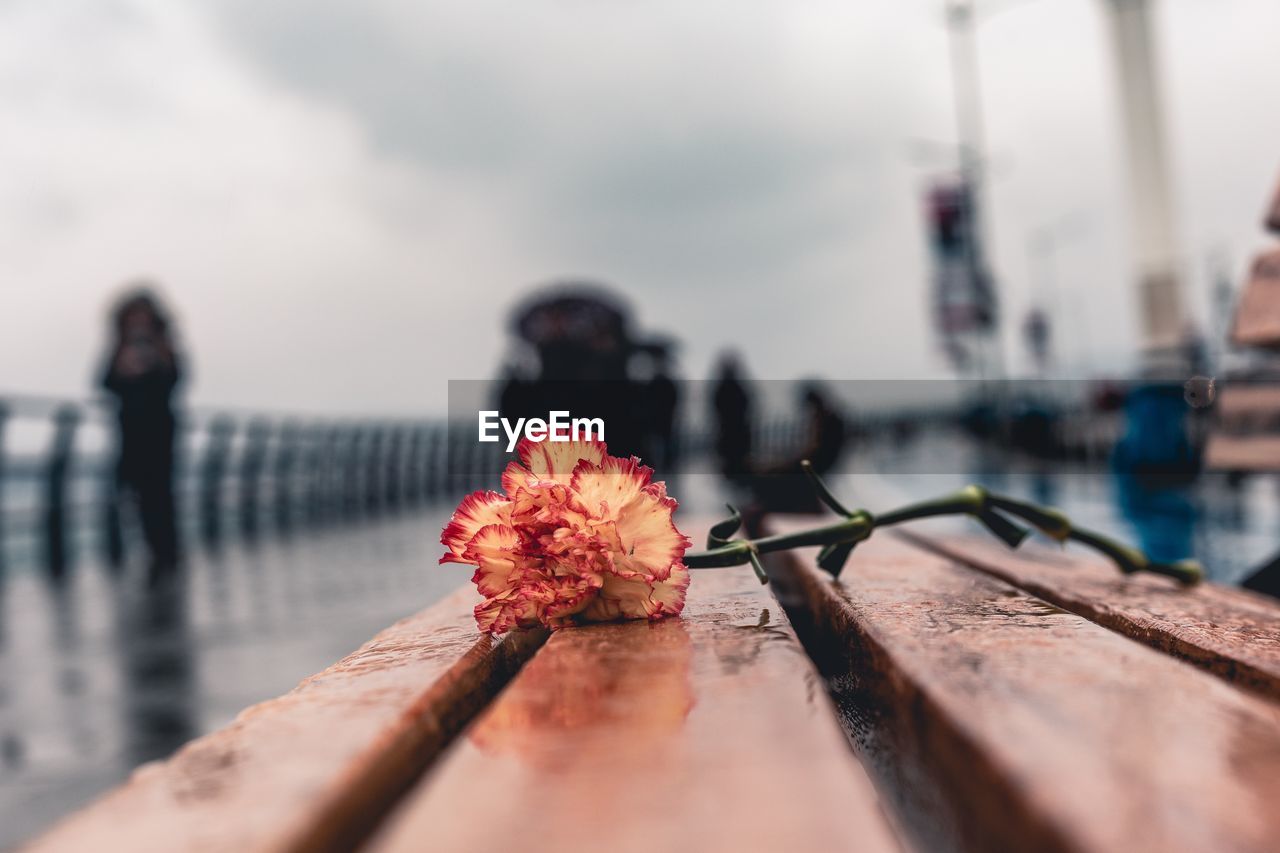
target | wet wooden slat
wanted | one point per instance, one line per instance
(710, 732)
(1226, 452)
(1232, 633)
(315, 768)
(1004, 722)
(1244, 436)
(1257, 320)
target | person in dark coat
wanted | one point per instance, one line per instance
(731, 405)
(142, 371)
(825, 427)
(662, 395)
(783, 486)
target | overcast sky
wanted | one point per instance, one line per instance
(342, 200)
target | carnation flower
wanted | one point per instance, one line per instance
(576, 535)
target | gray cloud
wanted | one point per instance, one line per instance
(353, 194)
(663, 150)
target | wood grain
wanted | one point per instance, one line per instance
(1233, 633)
(315, 768)
(1000, 721)
(710, 732)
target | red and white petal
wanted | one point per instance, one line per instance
(648, 538)
(555, 460)
(495, 615)
(568, 602)
(659, 490)
(667, 597)
(637, 598)
(497, 554)
(527, 612)
(477, 510)
(601, 549)
(546, 502)
(516, 477)
(619, 598)
(603, 489)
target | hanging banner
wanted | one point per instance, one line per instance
(963, 296)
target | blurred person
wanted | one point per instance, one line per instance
(578, 350)
(1163, 516)
(825, 428)
(784, 487)
(731, 404)
(142, 372)
(1155, 448)
(664, 400)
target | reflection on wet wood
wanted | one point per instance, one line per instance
(711, 732)
(315, 768)
(1004, 722)
(1229, 632)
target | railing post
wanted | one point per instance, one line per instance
(4, 416)
(413, 466)
(351, 504)
(317, 471)
(112, 536)
(392, 484)
(334, 467)
(61, 452)
(286, 455)
(252, 458)
(213, 469)
(373, 471)
(436, 461)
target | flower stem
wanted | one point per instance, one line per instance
(737, 553)
(991, 510)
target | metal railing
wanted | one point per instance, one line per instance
(235, 473)
(241, 473)
(244, 473)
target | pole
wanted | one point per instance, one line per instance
(57, 476)
(961, 25)
(1151, 203)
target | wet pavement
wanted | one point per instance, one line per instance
(101, 673)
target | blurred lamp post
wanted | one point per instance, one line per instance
(1151, 202)
(961, 20)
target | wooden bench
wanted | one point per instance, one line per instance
(997, 718)
(318, 767)
(1232, 633)
(942, 695)
(713, 730)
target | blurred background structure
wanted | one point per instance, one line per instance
(921, 243)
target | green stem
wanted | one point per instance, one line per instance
(974, 501)
(965, 502)
(738, 552)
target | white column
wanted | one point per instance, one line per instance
(1155, 251)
